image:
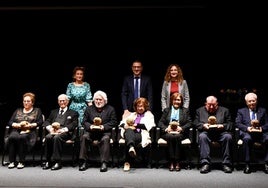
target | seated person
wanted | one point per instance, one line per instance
(136, 127)
(174, 123)
(98, 121)
(60, 124)
(214, 124)
(252, 122)
(22, 123)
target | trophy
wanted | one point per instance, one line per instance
(212, 121)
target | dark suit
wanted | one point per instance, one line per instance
(174, 140)
(53, 143)
(243, 121)
(127, 94)
(109, 120)
(206, 137)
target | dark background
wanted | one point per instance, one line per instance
(41, 43)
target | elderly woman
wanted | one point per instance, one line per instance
(22, 123)
(136, 127)
(174, 123)
(98, 121)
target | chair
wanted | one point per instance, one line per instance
(257, 153)
(94, 146)
(33, 149)
(73, 143)
(187, 144)
(145, 153)
(215, 151)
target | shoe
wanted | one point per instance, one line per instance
(126, 167)
(83, 167)
(56, 166)
(20, 166)
(247, 169)
(205, 169)
(266, 168)
(177, 167)
(11, 165)
(226, 169)
(47, 166)
(132, 152)
(103, 167)
(171, 167)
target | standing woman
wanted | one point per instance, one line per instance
(23, 122)
(174, 82)
(179, 116)
(79, 93)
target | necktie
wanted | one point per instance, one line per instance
(253, 115)
(136, 88)
(61, 112)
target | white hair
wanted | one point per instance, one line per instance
(63, 96)
(253, 95)
(102, 95)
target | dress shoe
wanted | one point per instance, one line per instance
(177, 167)
(83, 167)
(205, 169)
(56, 166)
(171, 167)
(266, 168)
(103, 167)
(47, 166)
(247, 169)
(226, 169)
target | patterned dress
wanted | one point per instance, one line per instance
(79, 97)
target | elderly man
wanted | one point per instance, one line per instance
(252, 122)
(98, 121)
(214, 124)
(60, 124)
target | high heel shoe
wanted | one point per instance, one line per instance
(177, 168)
(171, 167)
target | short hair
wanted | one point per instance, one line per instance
(174, 96)
(251, 94)
(76, 69)
(102, 94)
(142, 100)
(31, 95)
(64, 96)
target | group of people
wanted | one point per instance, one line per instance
(212, 121)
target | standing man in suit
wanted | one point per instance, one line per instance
(144, 89)
(252, 122)
(214, 123)
(60, 125)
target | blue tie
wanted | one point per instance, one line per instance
(136, 88)
(253, 115)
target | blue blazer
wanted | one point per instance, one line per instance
(127, 94)
(243, 120)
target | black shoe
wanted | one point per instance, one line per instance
(47, 166)
(103, 167)
(266, 168)
(205, 169)
(226, 169)
(56, 166)
(247, 169)
(83, 167)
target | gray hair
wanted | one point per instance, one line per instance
(63, 96)
(247, 96)
(102, 94)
